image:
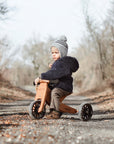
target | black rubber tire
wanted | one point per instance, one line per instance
(33, 110)
(85, 111)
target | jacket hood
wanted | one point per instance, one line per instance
(71, 62)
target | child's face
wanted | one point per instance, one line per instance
(55, 53)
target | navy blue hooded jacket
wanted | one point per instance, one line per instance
(62, 70)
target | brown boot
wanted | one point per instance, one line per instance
(53, 115)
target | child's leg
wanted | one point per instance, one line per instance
(56, 94)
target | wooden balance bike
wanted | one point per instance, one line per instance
(37, 108)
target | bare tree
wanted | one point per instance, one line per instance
(97, 36)
(3, 10)
(37, 53)
(4, 51)
(5, 47)
(96, 52)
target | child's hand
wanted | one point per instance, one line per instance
(50, 65)
(37, 80)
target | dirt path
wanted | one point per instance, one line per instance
(17, 127)
(16, 107)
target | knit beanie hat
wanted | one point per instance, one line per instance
(61, 45)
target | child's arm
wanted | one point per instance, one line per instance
(60, 71)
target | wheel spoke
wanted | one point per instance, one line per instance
(85, 111)
(33, 110)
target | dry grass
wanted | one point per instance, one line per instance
(103, 97)
(9, 93)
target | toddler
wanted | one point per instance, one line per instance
(60, 70)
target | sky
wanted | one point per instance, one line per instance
(44, 18)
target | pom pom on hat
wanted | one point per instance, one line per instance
(63, 38)
(61, 45)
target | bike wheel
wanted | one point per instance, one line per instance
(33, 110)
(85, 111)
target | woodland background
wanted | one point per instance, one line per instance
(95, 54)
